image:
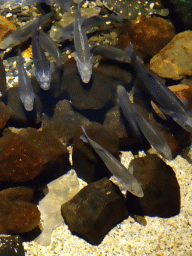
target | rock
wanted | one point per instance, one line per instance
(5, 27)
(176, 137)
(3, 84)
(95, 210)
(174, 60)
(115, 122)
(17, 214)
(11, 245)
(4, 115)
(86, 161)
(160, 187)
(61, 190)
(148, 35)
(65, 123)
(25, 155)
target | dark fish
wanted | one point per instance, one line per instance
(26, 93)
(150, 133)
(165, 98)
(112, 52)
(127, 180)
(41, 63)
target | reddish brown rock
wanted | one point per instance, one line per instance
(160, 186)
(174, 60)
(148, 35)
(4, 115)
(24, 156)
(17, 214)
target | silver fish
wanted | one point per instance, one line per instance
(165, 98)
(26, 93)
(50, 46)
(22, 34)
(82, 52)
(127, 180)
(41, 63)
(150, 133)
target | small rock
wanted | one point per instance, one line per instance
(11, 245)
(148, 35)
(95, 210)
(17, 214)
(160, 187)
(4, 115)
(174, 60)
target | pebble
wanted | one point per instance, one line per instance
(174, 60)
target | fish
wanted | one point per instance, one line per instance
(127, 180)
(82, 52)
(22, 34)
(26, 92)
(50, 46)
(41, 63)
(112, 52)
(166, 100)
(135, 117)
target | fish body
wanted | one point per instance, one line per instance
(167, 101)
(41, 63)
(50, 46)
(112, 52)
(22, 33)
(82, 52)
(127, 180)
(26, 93)
(139, 121)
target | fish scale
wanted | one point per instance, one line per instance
(131, 9)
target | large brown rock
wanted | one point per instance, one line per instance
(25, 155)
(4, 115)
(17, 214)
(174, 60)
(148, 35)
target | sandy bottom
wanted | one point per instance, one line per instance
(172, 236)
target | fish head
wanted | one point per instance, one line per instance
(45, 81)
(28, 103)
(86, 72)
(135, 188)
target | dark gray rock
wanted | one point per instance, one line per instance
(160, 187)
(95, 210)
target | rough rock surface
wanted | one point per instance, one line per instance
(24, 156)
(160, 187)
(148, 35)
(4, 115)
(11, 245)
(95, 210)
(174, 60)
(17, 214)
